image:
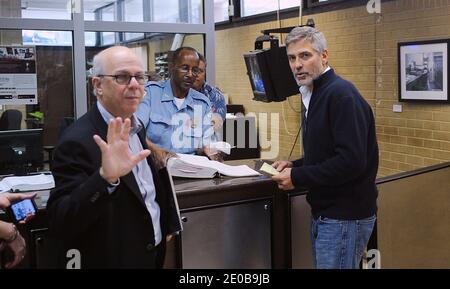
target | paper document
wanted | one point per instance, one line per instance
(192, 166)
(219, 146)
(27, 183)
(269, 169)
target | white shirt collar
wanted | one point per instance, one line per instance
(135, 123)
(306, 93)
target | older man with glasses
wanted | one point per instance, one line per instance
(110, 203)
(177, 117)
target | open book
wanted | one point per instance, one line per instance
(192, 166)
(27, 183)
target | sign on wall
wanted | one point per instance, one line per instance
(18, 81)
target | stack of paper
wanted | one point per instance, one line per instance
(27, 183)
(268, 169)
(192, 166)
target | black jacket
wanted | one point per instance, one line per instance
(109, 230)
(340, 160)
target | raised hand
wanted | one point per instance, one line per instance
(117, 160)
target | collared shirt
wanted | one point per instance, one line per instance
(306, 94)
(182, 130)
(217, 99)
(142, 172)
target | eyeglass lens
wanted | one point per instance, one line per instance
(126, 78)
(186, 69)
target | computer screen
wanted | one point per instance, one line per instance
(257, 70)
(21, 151)
(270, 75)
(256, 75)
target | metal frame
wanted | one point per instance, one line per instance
(78, 26)
(312, 3)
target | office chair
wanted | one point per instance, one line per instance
(11, 119)
(64, 124)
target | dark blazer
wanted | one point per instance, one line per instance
(109, 230)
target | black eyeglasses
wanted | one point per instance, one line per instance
(126, 78)
(186, 69)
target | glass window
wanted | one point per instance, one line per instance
(154, 52)
(90, 38)
(220, 10)
(157, 11)
(108, 38)
(92, 7)
(133, 36)
(89, 16)
(39, 37)
(54, 80)
(168, 11)
(38, 9)
(133, 11)
(107, 13)
(252, 7)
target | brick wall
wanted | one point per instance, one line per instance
(362, 49)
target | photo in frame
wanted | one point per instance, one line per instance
(423, 71)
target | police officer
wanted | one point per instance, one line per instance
(178, 118)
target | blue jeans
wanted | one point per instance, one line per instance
(339, 244)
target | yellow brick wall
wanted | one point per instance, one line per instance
(363, 49)
(420, 135)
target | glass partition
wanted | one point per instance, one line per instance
(133, 12)
(36, 9)
(155, 11)
(220, 10)
(59, 25)
(252, 7)
(153, 50)
(54, 80)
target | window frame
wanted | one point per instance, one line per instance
(78, 26)
(267, 12)
(309, 8)
(312, 3)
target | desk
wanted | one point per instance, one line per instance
(228, 223)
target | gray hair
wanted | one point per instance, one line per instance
(313, 35)
(97, 65)
(97, 68)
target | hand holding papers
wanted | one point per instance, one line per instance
(268, 169)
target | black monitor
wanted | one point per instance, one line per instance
(270, 75)
(21, 151)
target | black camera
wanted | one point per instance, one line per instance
(21, 210)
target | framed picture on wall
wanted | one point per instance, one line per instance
(423, 71)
